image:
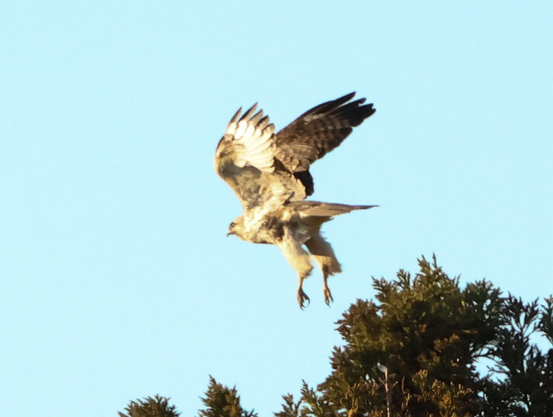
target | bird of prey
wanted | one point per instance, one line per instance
(269, 173)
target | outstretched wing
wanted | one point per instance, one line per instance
(317, 132)
(245, 159)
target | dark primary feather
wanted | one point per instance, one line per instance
(317, 132)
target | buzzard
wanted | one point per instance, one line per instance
(269, 173)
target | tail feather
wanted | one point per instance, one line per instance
(317, 208)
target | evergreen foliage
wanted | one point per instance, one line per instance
(151, 407)
(524, 383)
(419, 350)
(221, 401)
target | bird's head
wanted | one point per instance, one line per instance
(237, 227)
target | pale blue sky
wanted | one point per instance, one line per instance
(117, 279)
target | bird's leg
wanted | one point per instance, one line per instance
(323, 254)
(326, 290)
(299, 259)
(302, 297)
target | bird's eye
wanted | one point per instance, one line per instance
(232, 225)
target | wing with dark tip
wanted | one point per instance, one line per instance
(317, 132)
(245, 159)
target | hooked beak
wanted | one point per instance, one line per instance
(230, 233)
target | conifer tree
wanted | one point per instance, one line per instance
(426, 333)
(221, 401)
(151, 407)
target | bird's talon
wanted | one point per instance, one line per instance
(302, 298)
(328, 297)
